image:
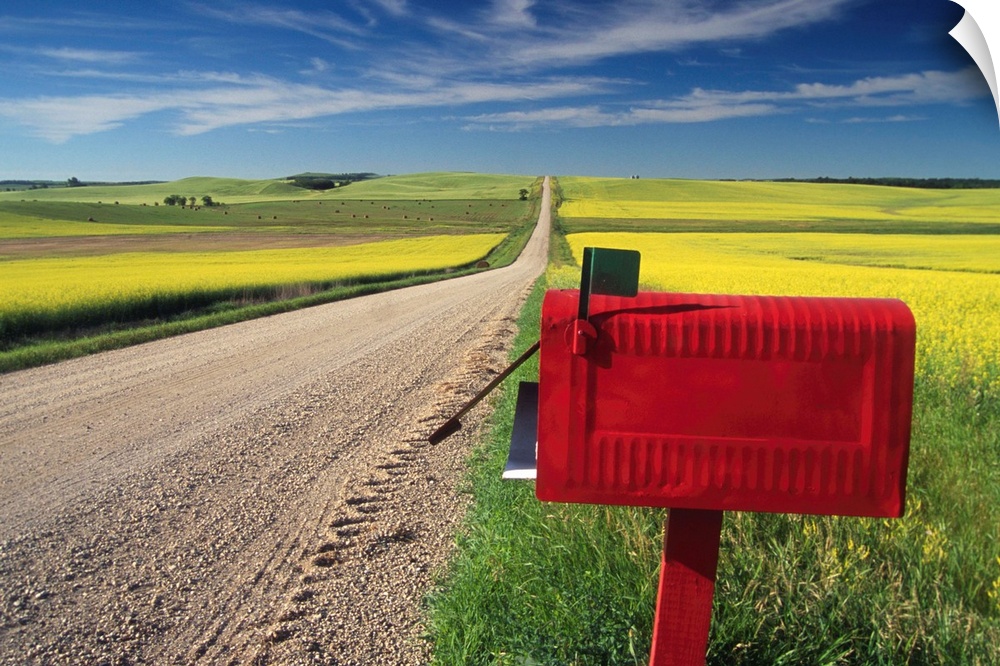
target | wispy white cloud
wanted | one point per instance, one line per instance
(89, 55)
(259, 100)
(700, 105)
(684, 112)
(526, 37)
(567, 116)
(73, 55)
(897, 118)
(58, 119)
(395, 8)
(506, 52)
(323, 25)
(80, 22)
(632, 27)
(166, 79)
(513, 13)
(595, 116)
(919, 88)
(206, 101)
(316, 66)
(932, 87)
(282, 102)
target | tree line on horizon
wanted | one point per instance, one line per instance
(12, 185)
(921, 183)
(328, 181)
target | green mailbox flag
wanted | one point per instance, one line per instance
(610, 272)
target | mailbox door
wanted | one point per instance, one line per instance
(751, 403)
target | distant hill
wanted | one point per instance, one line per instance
(222, 190)
(439, 185)
(18, 185)
(238, 191)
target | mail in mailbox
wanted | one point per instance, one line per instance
(746, 403)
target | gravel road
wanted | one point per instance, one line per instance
(260, 493)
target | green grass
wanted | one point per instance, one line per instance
(404, 217)
(549, 583)
(862, 591)
(567, 584)
(538, 583)
(439, 186)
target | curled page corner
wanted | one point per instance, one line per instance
(982, 45)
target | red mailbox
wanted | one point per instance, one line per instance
(746, 403)
(709, 403)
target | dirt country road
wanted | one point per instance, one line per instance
(259, 493)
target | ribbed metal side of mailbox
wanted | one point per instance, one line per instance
(750, 403)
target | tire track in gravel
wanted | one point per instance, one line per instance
(260, 493)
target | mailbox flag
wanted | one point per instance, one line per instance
(608, 272)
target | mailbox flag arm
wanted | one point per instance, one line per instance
(453, 424)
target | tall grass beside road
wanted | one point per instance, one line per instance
(542, 583)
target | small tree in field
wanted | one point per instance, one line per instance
(524, 194)
(207, 202)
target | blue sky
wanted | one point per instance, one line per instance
(659, 88)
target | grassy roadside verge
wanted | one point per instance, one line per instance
(41, 350)
(537, 583)
(543, 583)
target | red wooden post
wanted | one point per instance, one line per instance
(687, 583)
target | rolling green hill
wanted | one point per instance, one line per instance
(436, 186)
(228, 190)
(234, 191)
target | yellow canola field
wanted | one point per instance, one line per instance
(770, 211)
(24, 226)
(765, 201)
(957, 313)
(38, 286)
(684, 210)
